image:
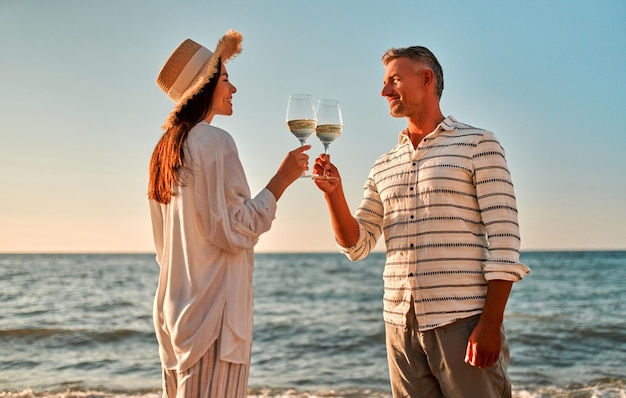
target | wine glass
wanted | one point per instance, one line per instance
(329, 127)
(301, 119)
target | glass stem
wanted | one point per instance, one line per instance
(326, 153)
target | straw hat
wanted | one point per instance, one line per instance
(191, 66)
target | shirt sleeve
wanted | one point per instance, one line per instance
(498, 208)
(369, 216)
(231, 218)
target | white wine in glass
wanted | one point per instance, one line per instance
(329, 127)
(301, 119)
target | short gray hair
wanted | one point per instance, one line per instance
(422, 55)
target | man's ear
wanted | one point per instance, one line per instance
(428, 77)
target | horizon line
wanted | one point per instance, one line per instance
(111, 252)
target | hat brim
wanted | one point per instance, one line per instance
(227, 47)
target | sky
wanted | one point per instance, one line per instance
(80, 112)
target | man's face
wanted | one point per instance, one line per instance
(403, 86)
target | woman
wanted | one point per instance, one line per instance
(205, 225)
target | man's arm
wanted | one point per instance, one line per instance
(345, 226)
(485, 342)
(496, 200)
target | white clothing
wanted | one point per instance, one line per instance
(204, 241)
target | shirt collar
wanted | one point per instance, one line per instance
(448, 124)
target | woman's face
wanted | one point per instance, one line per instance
(222, 96)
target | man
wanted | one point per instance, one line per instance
(444, 200)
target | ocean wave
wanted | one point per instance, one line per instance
(599, 389)
(76, 335)
(77, 394)
(261, 393)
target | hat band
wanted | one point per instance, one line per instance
(188, 74)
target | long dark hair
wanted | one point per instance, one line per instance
(168, 158)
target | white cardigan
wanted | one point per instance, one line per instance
(204, 241)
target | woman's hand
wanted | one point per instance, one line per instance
(295, 163)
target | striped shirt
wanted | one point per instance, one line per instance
(448, 214)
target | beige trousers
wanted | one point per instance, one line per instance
(431, 364)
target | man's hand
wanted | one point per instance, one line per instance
(323, 166)
(483, 347)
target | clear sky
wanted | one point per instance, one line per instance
(80, 112)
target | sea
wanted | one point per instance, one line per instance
(80, 325)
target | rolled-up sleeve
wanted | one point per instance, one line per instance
(498, 209)
(369, 216)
